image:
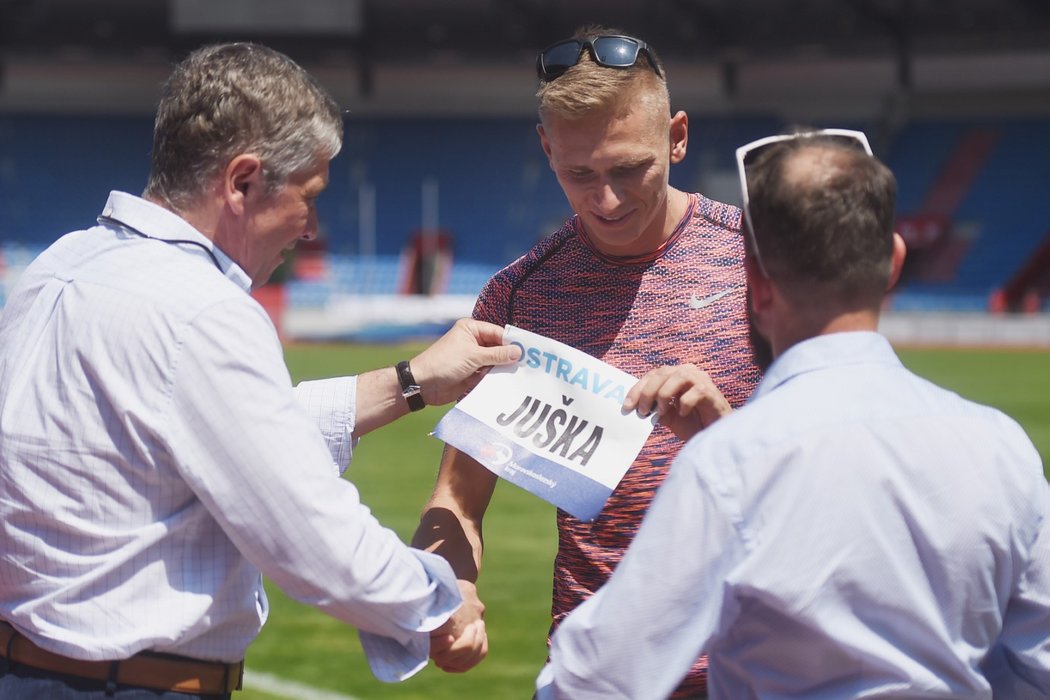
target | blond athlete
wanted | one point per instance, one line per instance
(644, 276)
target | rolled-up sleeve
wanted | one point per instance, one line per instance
(392, 659)
(332, 404)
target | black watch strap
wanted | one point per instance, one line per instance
(409, 389)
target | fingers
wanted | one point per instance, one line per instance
(461, 643)
(706, 401)
(459, 654)
(661, 389)
(449, 367)
(489, 338)
(484, 332)
(500, 355)
(678, 391)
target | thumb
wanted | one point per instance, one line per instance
(499, 355)
(441, 642)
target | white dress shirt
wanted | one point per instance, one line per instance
(854, 531)
(154, 459)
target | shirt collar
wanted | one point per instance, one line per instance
(826, 351)
(690, 210)
(152, 220)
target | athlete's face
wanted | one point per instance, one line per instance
(614, 168)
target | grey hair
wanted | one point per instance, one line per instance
(229, 99)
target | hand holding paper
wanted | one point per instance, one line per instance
(553, 423)
(684, 396)
(456, 362)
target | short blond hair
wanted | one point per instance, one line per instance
(588, 88)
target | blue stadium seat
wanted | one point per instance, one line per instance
(496, 193)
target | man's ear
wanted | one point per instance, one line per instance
(546, 144)
(679, 136)
(760, 286)
(242, 177)
(900, 252)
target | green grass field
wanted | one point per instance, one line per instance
(394, 468)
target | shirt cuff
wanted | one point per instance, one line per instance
(392, 660)
(332, 405)
(545, 684)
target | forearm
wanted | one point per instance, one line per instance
(452, 536)
(379, 400)
(444, 372)
(451, 524)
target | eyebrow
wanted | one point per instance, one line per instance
(637, 163)
(625, 165)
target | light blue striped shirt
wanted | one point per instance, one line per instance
(154, 457)
(854, 531)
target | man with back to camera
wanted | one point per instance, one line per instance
(644, 277)
(154, 458)
(854, 531)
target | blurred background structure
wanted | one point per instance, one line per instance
(442, 180)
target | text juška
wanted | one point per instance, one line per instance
(560, 433)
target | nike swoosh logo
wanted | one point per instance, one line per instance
(696, 302)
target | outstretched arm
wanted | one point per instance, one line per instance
(445, 371)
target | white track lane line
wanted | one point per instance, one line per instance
(275, 685)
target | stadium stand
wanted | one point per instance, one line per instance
(990, 226)
(975, 189)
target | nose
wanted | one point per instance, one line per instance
(310, 232)
(607, 197)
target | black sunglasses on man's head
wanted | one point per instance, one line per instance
(609, 50)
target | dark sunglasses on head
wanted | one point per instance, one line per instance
(609, 50)
(748, 154)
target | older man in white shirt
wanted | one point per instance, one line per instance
(854, 531)
(154, 456)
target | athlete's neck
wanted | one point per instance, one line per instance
(677, 206)
(657, 236)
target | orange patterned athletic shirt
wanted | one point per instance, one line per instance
(683, 303)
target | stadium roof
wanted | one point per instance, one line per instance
(53, 49)
(499, 30)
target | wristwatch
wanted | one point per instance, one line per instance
(409, 389)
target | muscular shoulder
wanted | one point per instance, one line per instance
(494, 302)
(718, 214)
